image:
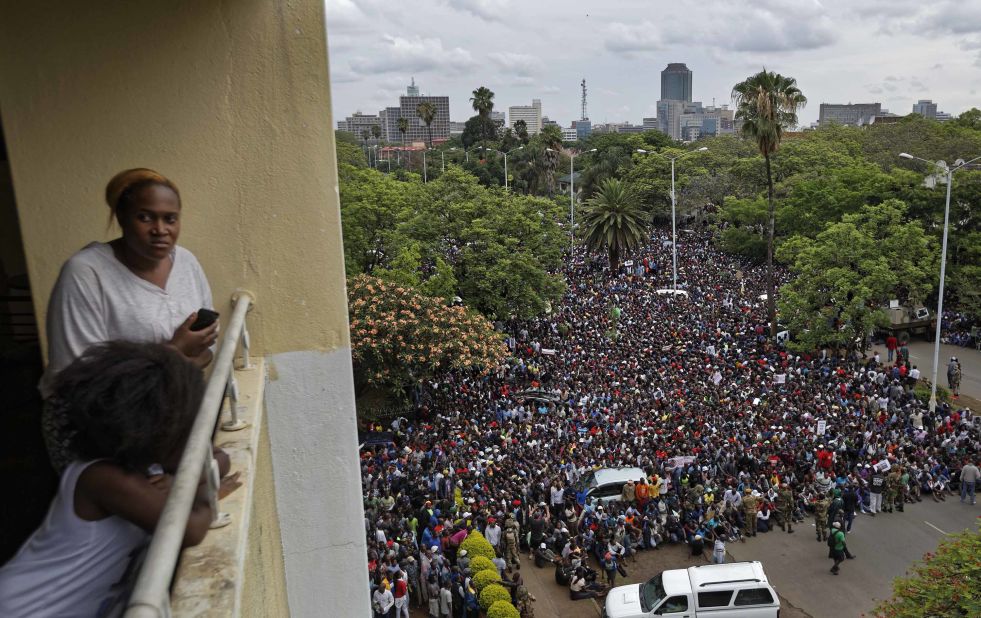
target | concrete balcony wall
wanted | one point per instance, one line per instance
(231, 100)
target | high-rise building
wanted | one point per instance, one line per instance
(925, 108)
(676, 82)
(390, 124)
(358, 123)
(412, 90)
(650, 123)
(531, 114)
(417, 128)
(852, 114)
(570, 134)
(584, 128)
(669, 113)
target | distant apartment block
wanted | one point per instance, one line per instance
(851, 114)
(570, 134)
(584, 128)
(650, 123)
(417, 128)
(499, 118)
(390, 124)
(456, 128)
(531, 114)
(358, 123)
(925, 108)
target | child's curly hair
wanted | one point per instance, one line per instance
(133, 403)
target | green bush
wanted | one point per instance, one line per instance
(503, 609)
(485, 577)
(922, 392)
(477, 545)
(492, 594)
(480, 563)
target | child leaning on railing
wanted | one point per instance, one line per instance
(130, 407)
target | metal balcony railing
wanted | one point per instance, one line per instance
(150, 597)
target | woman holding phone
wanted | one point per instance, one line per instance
(141, 287)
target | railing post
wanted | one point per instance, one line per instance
(231, 393)
(211, 472)
(246, 356)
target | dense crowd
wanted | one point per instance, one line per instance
(961, 329)
(735, 436)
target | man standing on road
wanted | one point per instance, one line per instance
(894, 494)
(750, 506)
(821, 516)
(954, 377)
(876, 485)
(785, 499)
(891, 344)
(849, 502)
(837, 545)
(969, 477)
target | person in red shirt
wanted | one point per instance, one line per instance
(401, 593)
(891, 344)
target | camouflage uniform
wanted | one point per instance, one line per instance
(512, 533)
(751, 504)
(821, 517)
(785, 502)
(893, 495)
(524, 606)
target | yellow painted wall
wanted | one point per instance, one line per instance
(231, 100)
(264, 586)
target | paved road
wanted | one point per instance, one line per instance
(921, 355)
(884, 545)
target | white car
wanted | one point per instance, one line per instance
(736, 590)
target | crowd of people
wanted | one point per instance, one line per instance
(961, 329)
(736, 436)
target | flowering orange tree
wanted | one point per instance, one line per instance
(399, 336)
(945, 583)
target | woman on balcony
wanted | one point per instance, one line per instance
(141, 287)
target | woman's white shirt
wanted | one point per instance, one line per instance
(98, 299)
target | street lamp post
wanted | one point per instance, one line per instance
(505, 155)
(674, 227)
(572, 197)
(442, 161)
(949, 173)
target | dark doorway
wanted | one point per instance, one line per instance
(26, 478)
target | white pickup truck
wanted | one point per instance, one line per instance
(737, 590)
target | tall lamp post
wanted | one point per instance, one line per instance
(674, 227)
(948, 172)
(505, 155)
(572, 196)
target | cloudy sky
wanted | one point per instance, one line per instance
(840, 51)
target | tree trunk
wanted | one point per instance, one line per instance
(771, 301)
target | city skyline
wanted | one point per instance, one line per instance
(894, 53)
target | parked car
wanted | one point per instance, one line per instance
(606, 484)
(737, 590)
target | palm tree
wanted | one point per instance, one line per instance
(614, 220)
(427, 113)
(767, 105)
(403, 127)
(483, 101)
(376, 131)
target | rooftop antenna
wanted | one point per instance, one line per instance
(584, 115)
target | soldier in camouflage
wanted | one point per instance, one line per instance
(751, 504)
(893, 497)
(525, 600)
(785, 502)
(821, 516)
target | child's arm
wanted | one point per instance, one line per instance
(105, 489)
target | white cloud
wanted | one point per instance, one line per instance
(516, 64)
(631, 38)
(488, 10)
(414, 55)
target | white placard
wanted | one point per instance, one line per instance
(882, 466)
(780, 378)
(628, 263)
(822, 427)
(548, 351)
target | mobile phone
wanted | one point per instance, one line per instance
(206, 317)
